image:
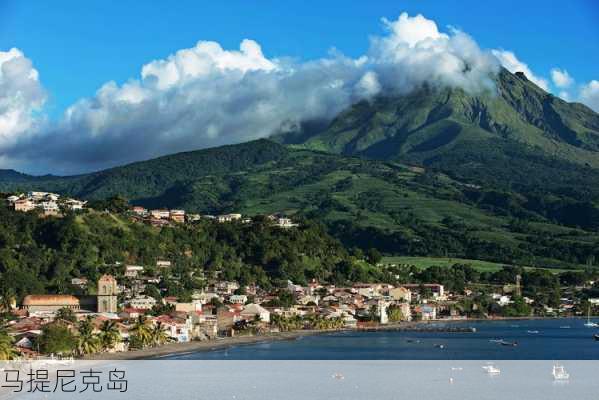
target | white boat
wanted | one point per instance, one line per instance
(339, 376)
(559, 373)
(590, 324)
(491, 370)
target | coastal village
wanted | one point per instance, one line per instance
(128, 309)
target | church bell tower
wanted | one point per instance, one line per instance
(107, 294)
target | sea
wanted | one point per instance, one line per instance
(535, 339)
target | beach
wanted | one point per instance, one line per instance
(206, 345)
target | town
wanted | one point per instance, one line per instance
(127, 307)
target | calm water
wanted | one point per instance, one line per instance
(564, 339)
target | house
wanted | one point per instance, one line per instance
(12, 199)
(251, 311)
(132, 271)
(141, 211)
(79, 282)
(75, 205)
(142, 302)
(307, 299)
(437, 290)
(228, 218)
(227, 287)
(37, 196)
(401, 294)
(23, 205)
(177, 215)
(49, 207)
(194, 306)
(178, 329)
(285, 223)
(238, 299)
(193, 217)
(160, 214)
(427, 312)
(163, 264)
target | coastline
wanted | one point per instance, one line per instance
(227, 342)
(206, 345)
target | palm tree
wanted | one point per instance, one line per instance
(87, 341)
(7, 350)
(158, 335)
(141, 333)
(6, 297)
(66, 314)
(109, 334)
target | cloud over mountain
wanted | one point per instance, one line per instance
(206, 96)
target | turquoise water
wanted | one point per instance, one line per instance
(563, 339)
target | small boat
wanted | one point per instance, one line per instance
(440, 346)
(559, 373)
(596, 337)
(339, 376)
(532, 332)
(565, 327)
(506, 343)
(412, 340)
(491, 370)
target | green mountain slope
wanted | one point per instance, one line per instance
(366, 203)
(517, 136)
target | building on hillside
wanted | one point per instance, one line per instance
(436, 289)
(228, 218)
(163, 264)
(401, 294)
(160, 214)
(251, 311)
(177, 216)
(49, 207)
(23, 205)
(238, 299)
(133, 271)
(75, 205)
(138, 210)
(285, 223)
(142, 302)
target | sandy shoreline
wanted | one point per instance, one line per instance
(208, 345)
(227, 342)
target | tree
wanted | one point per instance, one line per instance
(395, 314)
(141, 333)
(109, 334)
(7, 350)
(373, 256)
(66, 314)
(87, 341)
(158, 335)
(57, 338)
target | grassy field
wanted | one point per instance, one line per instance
(425, 262)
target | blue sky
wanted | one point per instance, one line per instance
(79, 45)
(86, 85)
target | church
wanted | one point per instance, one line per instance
(105, 300)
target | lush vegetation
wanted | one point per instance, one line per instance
(509, 177)
(39, 255)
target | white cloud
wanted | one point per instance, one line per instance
(510, 62)
(561, 78)
(414, 52)
(589, 95)
(207, 96)
(21, 94)
(564, 95)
